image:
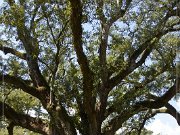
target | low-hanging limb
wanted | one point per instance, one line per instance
(34, 124)
(7, 50)
(169, 109)
(41, 93)
(117, 122)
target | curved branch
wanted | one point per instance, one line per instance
(7, 50)
(173, 112)
(160, 101)
(23, 120)
(169, 110)
(117, 122)
(22, 84)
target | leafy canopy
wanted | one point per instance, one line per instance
(94, 66)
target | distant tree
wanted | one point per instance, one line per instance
(95, 66)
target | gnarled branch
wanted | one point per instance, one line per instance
(23, 120)
(41, 92)
(7, 50)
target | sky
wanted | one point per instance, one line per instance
(163, 123)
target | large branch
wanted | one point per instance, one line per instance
(160, 101)
(144, 49)
(173, 112)
(7, 50)
(88, 97)
(143, 52)
(138, 87)
(105, 27)
(117, 122)
(41, 93)
(31, 46)
(103, 40)
(76, 19)
(169, 109)
(23, 120)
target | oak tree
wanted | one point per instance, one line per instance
(95, 66)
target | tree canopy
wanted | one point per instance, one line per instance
(90, 67)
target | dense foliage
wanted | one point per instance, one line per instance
(90, 67)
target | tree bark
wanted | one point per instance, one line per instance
(23, 120)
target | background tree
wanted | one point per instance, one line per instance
(94, 66)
